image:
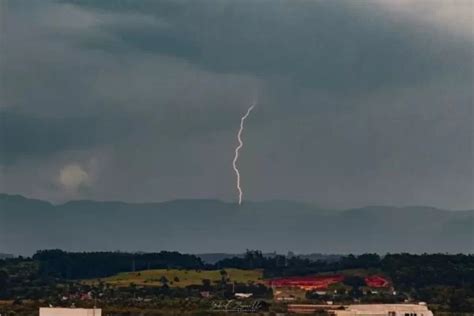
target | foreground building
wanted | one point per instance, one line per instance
(53, 311)
(384, 310)
(363, 309)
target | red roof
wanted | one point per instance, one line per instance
(376, 281)
(308, 282)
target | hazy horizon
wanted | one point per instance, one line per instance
(309, 203)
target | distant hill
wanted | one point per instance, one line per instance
(211, 226)
(212, 258)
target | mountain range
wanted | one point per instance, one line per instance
(213, 226)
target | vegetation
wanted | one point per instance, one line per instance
(171, 280)
(182, 278)
(82, 265)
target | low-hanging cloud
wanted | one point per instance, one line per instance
(72, 177)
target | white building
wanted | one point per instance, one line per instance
(243, 295)
(383, 310)
(53, 311)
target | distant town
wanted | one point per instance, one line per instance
(56, 282)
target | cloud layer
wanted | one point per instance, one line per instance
(360, 102)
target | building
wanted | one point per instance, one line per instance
(308, 283)
(243, 295)
(311, 308)
(363, 309)
(53, 311)
(383, 310)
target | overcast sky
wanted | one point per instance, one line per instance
(359, 102)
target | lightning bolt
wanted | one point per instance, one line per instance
(237, 149)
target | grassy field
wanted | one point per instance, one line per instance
(183, 278)
(180, 278)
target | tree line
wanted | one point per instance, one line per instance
(437, 278)
(406, 270)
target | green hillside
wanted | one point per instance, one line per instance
(180, 278)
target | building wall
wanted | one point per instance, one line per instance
(47, 311)
(384, 310)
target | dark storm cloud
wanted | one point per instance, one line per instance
(359, 102)
(23, 135)
(342, 46)
(29, 135)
